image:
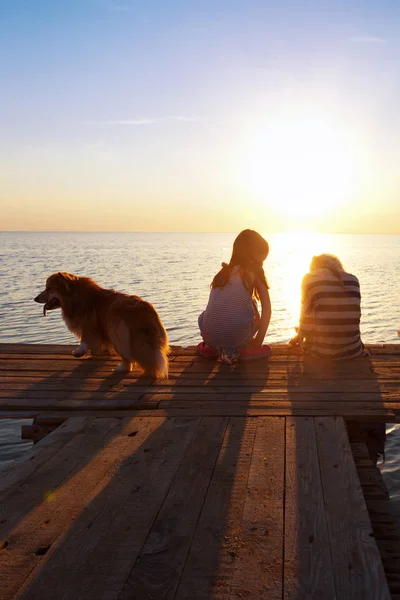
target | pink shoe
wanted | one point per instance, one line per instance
(256, 353)
(205, 351)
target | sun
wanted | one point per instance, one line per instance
(301, 166)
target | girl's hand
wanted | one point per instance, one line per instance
(296, 343)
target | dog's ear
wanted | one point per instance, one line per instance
(67, 279)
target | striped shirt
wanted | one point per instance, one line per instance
(330, 315)
(229, 320)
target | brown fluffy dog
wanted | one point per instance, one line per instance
(105, 320)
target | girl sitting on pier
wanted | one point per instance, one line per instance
(231, 325)
(330, 311)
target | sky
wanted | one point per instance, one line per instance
(202, 115)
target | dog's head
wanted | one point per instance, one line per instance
(58, 287)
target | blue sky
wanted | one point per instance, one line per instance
(141, 115)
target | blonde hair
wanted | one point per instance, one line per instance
(327, 261)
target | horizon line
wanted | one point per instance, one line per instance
(196, 232)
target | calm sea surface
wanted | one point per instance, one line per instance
(173, 271)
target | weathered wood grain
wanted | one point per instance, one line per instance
(156, 507)
(35, 513)
(357, 565)
(175, 350)
(210, 565)
(308, 570)
(258, 565)
(21, 469)
(66, 401)
(101, 544)
(54, 472)
(298, 386)
(159, 566)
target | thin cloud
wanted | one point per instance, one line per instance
(367, 39)
(145, 120)
(185, 119)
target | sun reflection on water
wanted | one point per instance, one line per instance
(289, 261)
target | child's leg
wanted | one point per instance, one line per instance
(200, 323)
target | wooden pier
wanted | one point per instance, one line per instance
(221, 482)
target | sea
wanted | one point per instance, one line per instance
(173, 271)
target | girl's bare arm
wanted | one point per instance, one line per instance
(265, 314)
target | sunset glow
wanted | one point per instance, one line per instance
(125, 115)
(291, 254)
(303, 166)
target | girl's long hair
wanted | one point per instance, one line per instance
(247, 248)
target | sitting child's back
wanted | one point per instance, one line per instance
(330, 313)
(231, 320)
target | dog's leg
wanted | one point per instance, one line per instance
(124, 367)
(81, 350)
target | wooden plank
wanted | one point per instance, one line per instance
(78, 365)
(60, 384)
(221, 379)
(54, 421)
(61, 394)
(10, 348)
(159, 565)
(6, 348)
(34, 514)
(19, 470)
(258, 566)
(381, 416)
(91, 372)
(38, 512)
(95, 555)
(294, 360)
(97, 370)
(23, 362)
(281, 378)
(357, 565)
(208, 407)
(308, 570)
(87, 402)
(188, 395)
(174, 373)
(80, 388)
(180, 393)
(89, 368)
(193, 395)
(239, 410)
(209, 568)
(52, 474)
(184, 396)
(277, 347)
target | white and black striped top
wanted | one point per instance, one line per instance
(229, 319)
(330, 315)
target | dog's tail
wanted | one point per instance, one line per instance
(160, 365)
(150, 351)
(143, 341)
